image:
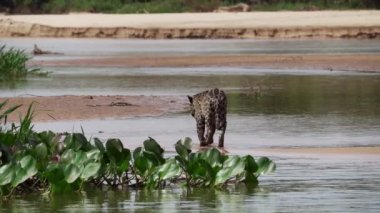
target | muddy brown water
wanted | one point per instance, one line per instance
(267, 109)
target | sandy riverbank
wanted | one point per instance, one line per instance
(325, 24)
(70, 107)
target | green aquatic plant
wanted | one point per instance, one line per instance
(13, 64)
(59, 163)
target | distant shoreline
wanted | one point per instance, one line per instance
(288, 25)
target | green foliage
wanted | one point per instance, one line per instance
(171, 6)
(275, 5)
(162, 6)
(13, 64)
(212, 168)
(32, 161)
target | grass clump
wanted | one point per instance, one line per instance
(13, 64)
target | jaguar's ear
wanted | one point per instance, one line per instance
(190, 99)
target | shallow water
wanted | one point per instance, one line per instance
(78, 48)
(300, 184)
(183, 81)
(267, 108)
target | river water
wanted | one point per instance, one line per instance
(281, 109)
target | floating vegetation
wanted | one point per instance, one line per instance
(47, 161)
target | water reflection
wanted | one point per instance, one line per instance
(344, 95)
(279, 87)
(332, 183)
(144, 200)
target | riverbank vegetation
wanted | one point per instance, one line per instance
(13, 64)
(33, 161)
(170, 6)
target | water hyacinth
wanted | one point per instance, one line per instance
(58, 163)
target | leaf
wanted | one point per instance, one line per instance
(213, 157)
(251, 179)
(68, 156)
(181, 150)
(94, 155)
(236, 164)
(152, 146)
(232, 167)
(99, 144)
(20, 177)
(183, 162)
(54, 174)
(250, 164)
(265, 166)
(72, 172)
(118, 156)
(142, 164)
(24, 161)
(187, 142)
(114, 149)
(41, 151)
(195, 169)
(8, 173)
(77, 141)
(8, 139)
(152, 157)
(82, 140)
(25, 169)
(48, 138)
(137, 153)
(30, 165)
(8, 111)
(169, 170)
(123, 162)
(90, 170)
(69, 142)
(80, 158)
(114, 145)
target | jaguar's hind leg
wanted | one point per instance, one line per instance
(210, 124)
(221, 137)
(201, 131)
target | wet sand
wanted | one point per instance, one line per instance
(375, 151)
(362, 62)
(68, 107)
(306, 24)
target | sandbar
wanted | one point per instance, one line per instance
(285, 24)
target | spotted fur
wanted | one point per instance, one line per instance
(209, 108)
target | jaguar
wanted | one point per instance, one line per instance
(209, 108)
